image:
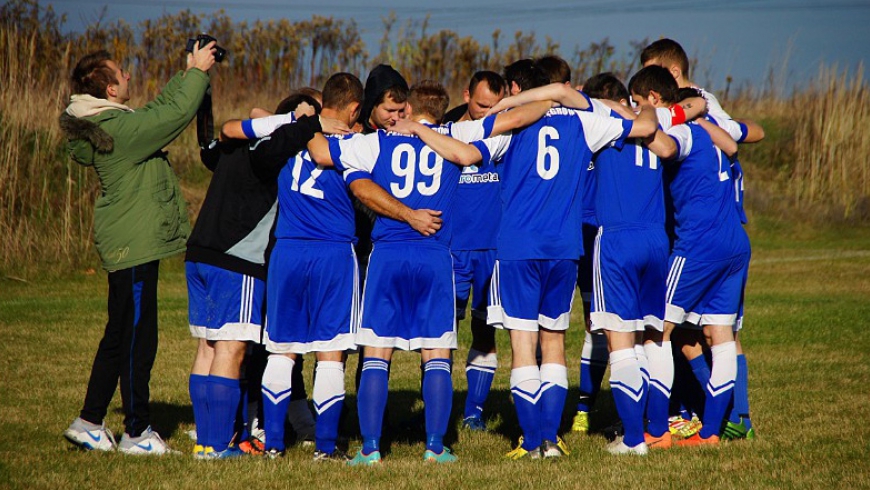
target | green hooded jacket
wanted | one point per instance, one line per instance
(140, 215)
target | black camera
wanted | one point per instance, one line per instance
(203, 39)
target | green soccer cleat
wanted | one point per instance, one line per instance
(445, 457)
(361, 459)
(733, 432)
(581, 422)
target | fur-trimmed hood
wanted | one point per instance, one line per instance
(77, 128)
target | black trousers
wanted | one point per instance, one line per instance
(127, 350)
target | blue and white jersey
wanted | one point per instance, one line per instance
(263, 126)
(545, 168)
(313, 202)
(714, 108)
(706, 222)
(629, 181)
(409, 170)
(738, 132)
(477, 207)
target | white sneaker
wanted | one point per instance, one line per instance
(619, 447)
(90, 436)
(147, 443)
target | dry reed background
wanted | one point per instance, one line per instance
(812, 167)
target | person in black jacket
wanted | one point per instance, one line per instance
(226, 272)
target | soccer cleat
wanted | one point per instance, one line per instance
(734, 431)
(682, 428)
(697, 440)
(664, 441)
(273, 454)
(361, 459)
(147, 443)
(252, 446)
(474, 423)
(550, 449)
(202, 452)
(89, 436)
(618, 447)
(521, 453)
(336, 455)
(581, 422)
(231, 452)
(562, 445)
(446, 456)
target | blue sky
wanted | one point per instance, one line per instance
(741, 38)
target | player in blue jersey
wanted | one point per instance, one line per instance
(671, 55)
(408, 299)
(707, 265)
(593, 357)
(536, 271)
(477, 212)
(313, 282)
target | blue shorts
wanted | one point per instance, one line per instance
(224, 305)
(314, 300)
(586, 265)
(472, 270)
(705, 292)
(528, 293)
(408, 301)
(630, 274)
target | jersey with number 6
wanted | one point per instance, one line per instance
(410, 171)
(545, 167)
(313, 202)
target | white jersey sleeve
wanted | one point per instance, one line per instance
(493, 149)
(732, 127)
(601, 131)
(682, 136)
(714, 108)
(666, 119)
(465, 131)
(358, 153)
(264, 126)
(599, 108)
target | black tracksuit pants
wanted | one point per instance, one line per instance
(127, 350)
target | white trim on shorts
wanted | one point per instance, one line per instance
(367, 337)
(341, 343)
(603, 320)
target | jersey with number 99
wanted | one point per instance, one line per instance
(409, 170)
(545, 167)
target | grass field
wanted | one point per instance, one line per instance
(806, 339)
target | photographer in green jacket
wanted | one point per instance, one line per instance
(140, 217)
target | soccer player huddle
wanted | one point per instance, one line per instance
(366, 218)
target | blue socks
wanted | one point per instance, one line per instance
(661, 380)
(276, 391)
(371, 401)
(479, 371)
(741, 394)
(627, 386)
(554, 390)
(328, 402)
(199, 399)
(526, 391)
(223, 401)
(438, 401)
(593, 363)
(720, 388)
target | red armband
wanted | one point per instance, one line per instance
(678, 115)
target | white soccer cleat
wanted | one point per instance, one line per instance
(619, 447)
(149, 443)
(90, 436)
